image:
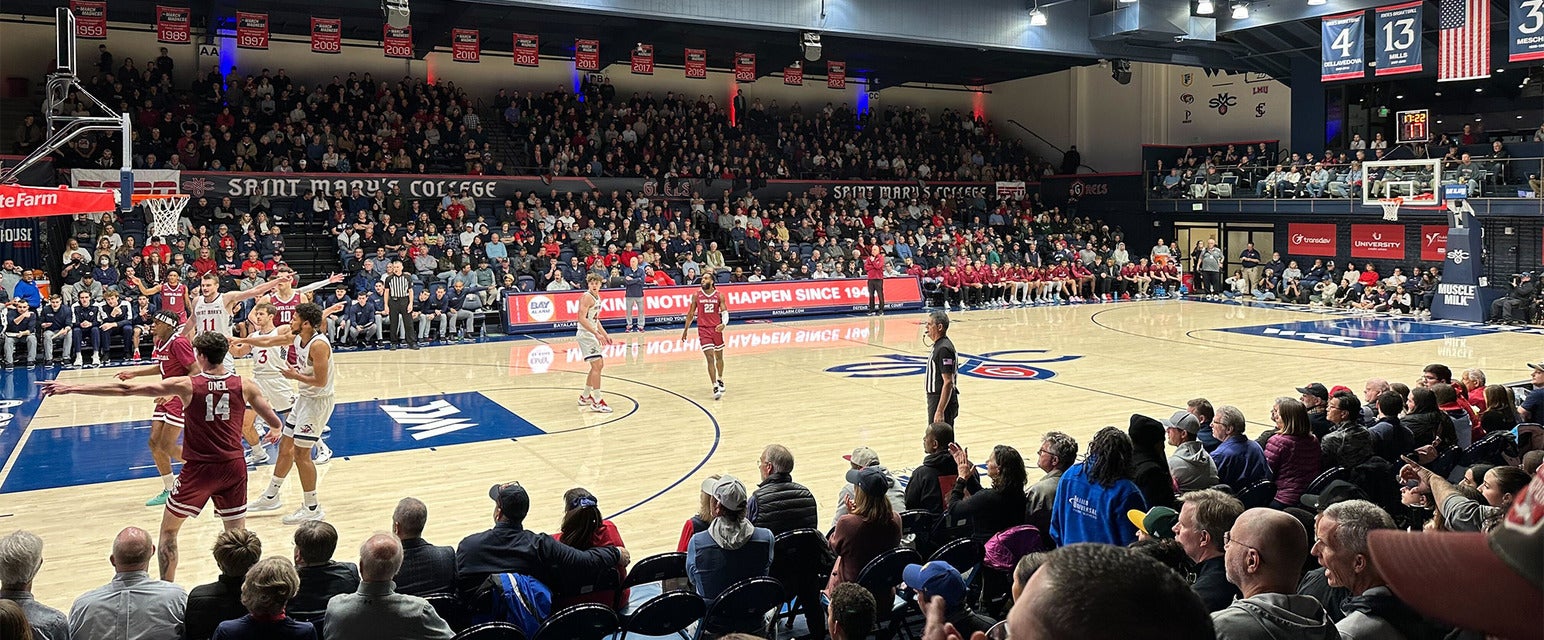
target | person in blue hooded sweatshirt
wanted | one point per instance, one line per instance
(1095, 494)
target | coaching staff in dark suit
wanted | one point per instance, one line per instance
(943, 398)
(426, 569)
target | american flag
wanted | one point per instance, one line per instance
(1463, 40)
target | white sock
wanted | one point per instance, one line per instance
(587, 391)
(595, 395)
(309, 499)
(168, 480)
(274, 486)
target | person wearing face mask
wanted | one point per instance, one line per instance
(105, 273)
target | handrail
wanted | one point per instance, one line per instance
(1047, 142)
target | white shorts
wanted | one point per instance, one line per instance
(589, 346)
(277, 390)
(230, 364)
(307, 420)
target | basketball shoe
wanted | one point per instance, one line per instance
(600, 406)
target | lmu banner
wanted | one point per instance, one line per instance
(1385, 241)
(172, 25)
(527, 50)
(326, 35)
(1433, 242)
(251, 30)
(793, 76)
(465, 45)
(836, 75)
(643, 59)
(1310, 239)
(744, 67)
(587, 55)
(397, 42)
(90, 19)
(697, 63)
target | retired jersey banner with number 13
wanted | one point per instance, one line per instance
(1525, 38)
(1342, 47)
(1397, 38)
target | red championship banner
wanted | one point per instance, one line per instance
(251, 30)
(836, 75)
(397, 42)
(643, 59)
(587, 55)
(549, 310)
(30, 202)
(697, 63)
(465, 45)
(744, 67)
(1378, 241)
(793, 75)
(326, 35)
(171, 25)
(1306, 239)
(1434, 242)
(90, 19)
(526, 50)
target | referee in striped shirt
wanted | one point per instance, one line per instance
(943, 397)
(399, 302)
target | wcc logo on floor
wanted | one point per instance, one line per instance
(1015, 364)
(1357, 332)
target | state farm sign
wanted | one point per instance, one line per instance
(1305, 239)
(1386, 241)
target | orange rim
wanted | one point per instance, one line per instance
(141, 197)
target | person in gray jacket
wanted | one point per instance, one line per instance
(1372, 611)
(376, 611)
(1192, 467)
(863, 457)
(1264, 553)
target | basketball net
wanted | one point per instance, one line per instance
(165, 211)
(1390, 207)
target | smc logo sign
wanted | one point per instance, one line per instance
(540, 308)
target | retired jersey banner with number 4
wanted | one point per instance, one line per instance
(90, 19)
(1341, 46)
(465, 45)
(744, 67)
(1397, 38)
(587, 55)
(398, 42)
(527, 50)
(697, 63)
(643, 59)
(1525, 38)
(172, 25)
(836, 75)
(326, 35)
(251, 30)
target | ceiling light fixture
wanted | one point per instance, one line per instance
(1036, 17)
(1315, 3)
(1241, 11)
(1399, 97)
(1205, 8)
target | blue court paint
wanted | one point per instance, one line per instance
(83, 455)
(1358, 332)
(18, 388)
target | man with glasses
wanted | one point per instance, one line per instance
(1204, 519)
(1264, 554)
(1058, 452)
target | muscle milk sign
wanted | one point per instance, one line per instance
(1458, 297)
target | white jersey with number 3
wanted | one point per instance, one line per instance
(211, 317)
(268, 362)
(304, 366)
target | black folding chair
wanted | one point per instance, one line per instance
(664, 614)
(963, 554)
(450, 609)
(655, 568)
(1329, 475)
(588, 621)
(743, 607)
(1258, 494)
(491, 631)
(801, 561)
(880, 576)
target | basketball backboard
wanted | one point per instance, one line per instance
(1416, 183)
(64, 42)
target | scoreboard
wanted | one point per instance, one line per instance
(1414, 126)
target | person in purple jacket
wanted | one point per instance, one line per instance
(1240, 461)
(1292, 453)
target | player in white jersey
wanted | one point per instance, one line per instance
(313, 408)
(268, 365)
(592, 341)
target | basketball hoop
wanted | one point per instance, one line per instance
(165, 210)
(1390, 207)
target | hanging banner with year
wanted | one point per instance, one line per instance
(697, 63)
(643, 59)
(1397, 38)
(326, 35)
(1525, 37)
(793, 76)
(251, 30)
(527, 50)
(836, 75)
(744, 67)
(587, 55)
(90, 19)
(397, 42)
(1342, 47)
(172, 25)
(465, 45)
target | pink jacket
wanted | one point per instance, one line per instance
(1295, 461)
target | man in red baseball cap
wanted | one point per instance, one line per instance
(1485, 582)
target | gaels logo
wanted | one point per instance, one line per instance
(1222, 103)
(1079, 189)
(540, 308)
(1458, 256)
(993, 365)
(197, 187)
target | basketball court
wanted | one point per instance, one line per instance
(444, 423)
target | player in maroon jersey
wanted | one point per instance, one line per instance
(215, 467)
(173, 355)
(710, 307)
(174, 294)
